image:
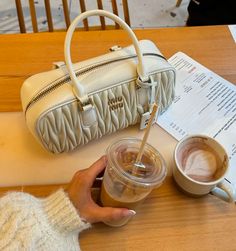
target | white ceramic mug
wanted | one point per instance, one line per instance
(201, 164)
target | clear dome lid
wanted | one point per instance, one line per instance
(122, 156)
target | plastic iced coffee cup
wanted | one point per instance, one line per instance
(126, 184)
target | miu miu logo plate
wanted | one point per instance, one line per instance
(116, 103)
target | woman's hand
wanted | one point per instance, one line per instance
(79, 192)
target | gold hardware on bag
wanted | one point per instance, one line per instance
(115, 103)
(85, 105)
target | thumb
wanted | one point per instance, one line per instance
(112, 214)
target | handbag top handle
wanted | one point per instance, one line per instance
(77, 86)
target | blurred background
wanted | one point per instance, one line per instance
(143, 14)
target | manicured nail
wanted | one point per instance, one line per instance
(132, 212)
(129, 213)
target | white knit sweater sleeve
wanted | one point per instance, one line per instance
(29, 223)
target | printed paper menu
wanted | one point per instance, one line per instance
(204, 103)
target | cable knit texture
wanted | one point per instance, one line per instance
(29, 223)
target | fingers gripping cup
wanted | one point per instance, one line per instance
(126, 184)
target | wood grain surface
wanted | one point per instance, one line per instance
(168, 220)
(23, 55)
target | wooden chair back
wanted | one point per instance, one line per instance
(83, 8)
(34, 17)
(178, 3)
(103, 25)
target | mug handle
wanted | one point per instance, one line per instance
(222, 189)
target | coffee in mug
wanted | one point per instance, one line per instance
(201, 164)
(199, 161)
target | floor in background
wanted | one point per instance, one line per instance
(143, 14)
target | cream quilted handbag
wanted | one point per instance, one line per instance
(69, 106)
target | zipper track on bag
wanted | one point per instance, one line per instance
(80, 72)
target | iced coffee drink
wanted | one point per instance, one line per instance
(127, 183)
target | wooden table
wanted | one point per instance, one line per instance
(26, 54)
(168, 220)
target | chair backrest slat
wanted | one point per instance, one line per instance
(115, 11)
(33, 15)
(66, 13)
(83, 9)
(126, 11)
(20, 16)
(49, 15)
(102, 19)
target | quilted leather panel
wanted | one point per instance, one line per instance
(62, 129)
